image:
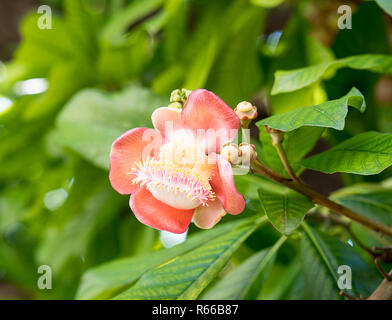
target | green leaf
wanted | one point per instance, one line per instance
(285, 208)
(371, 200)
(281, 280)
(286, 81)
(16, 267)
(321, 257)
(200, 68)
(296, 143)
(105, 280)
(386, 5)
(330, 114)
(62, 85)
(367, 153)
(92, 120)
(349, 42)
(71, 241)
(245, 281)
(308, 96)
(187, 276)
(41, 48)
(267, 3)
(113, 32)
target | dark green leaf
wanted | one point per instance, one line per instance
(371, 200)
(321, 257)
(105, 280)
(286, 81)
(245, 281)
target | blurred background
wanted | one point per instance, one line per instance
(68, 91)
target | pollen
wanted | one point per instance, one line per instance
(172, 180)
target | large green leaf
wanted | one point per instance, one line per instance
(16, 267)
(187, 276)
(371, 200)
(285, 208)
(386, 5)
(296, 143)
(330, 114)
(282, 280)
(367, 153)
(92, 120)
(245, 281)
(105, 280)
(349, 42)
(321, 257)
(286, 81)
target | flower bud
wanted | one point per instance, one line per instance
(231, 153)
(178, 97)
(246, 111)
(248, 153)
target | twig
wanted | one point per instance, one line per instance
(319, 199)
(277, 139)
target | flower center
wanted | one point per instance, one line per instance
(178, 186)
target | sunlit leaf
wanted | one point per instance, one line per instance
(245, 281)
(386, 5)
(371, 200)
(286, 81)
(296, 143)
(267, 3)
(330, 114)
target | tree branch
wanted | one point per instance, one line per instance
(383, 291)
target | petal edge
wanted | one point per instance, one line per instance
(131, 146)
(158, 215)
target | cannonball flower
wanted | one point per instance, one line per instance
(174, 173)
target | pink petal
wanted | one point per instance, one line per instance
(204, 110)
(133, 145)
(206, 217)
(157, 214)
(166, 119)
(222, 183)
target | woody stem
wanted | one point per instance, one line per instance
(317, 198)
